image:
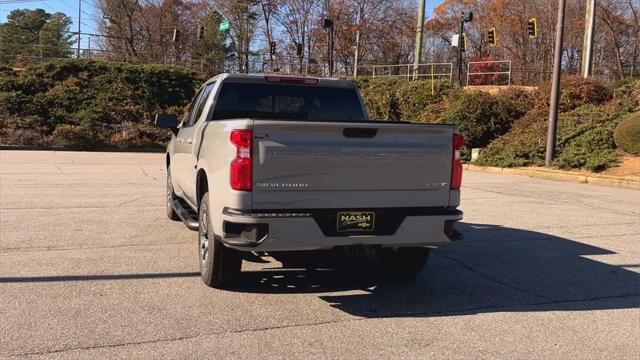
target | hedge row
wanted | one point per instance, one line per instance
(90, 103)
(585, 136)
(481, 117)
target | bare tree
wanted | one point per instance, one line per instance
(295, 17)
(242, 16)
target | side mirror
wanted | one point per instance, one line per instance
(167, 121)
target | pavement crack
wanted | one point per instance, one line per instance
(188, 337)
(131, 201)
(17, 250)
(327, 322)
(147, 174)
(109, 346)
(487, 276)
(64, 157)
(75, 208)
(557, 202)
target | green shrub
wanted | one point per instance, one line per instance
(516, 100)
(578, 91)
(593, 149)
(627, 134)
(18, 130)
(601, 160)
(74, 136)
(399, 99)
(415, 97)
(627, 96)
(7, 79)
(94, 100)
(131, 135)
(483, 117)
(13, 102)
(380, 97)
(523, 145)
(575, 91)
(584, 140)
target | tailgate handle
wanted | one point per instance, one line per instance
(362, 133)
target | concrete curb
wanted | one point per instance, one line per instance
(80, 149)
(627, 182)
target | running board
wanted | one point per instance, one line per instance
(186, 214)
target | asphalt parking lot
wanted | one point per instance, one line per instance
(91, 267)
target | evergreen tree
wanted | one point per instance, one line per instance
(213, 48)
(34, 33)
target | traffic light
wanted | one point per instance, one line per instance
(201, 31)
(491, 36)
(176, 35)
(272, 47)
(463, 42)
(299, 50)
(532, 28)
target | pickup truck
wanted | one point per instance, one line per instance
(269, 163)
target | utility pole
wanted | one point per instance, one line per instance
(331, 49)
(462, 43)
(79, 15)
(417, 52)
(555, 87)
(587, 47)
(356, 51)
(327, 24)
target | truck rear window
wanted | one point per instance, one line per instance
(287, 102)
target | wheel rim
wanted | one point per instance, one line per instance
(204, 238)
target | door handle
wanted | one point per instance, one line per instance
(189, 140)
(362, 133)
(179, 139)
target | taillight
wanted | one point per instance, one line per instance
(241, 166)
(456, 165)
(291, 80)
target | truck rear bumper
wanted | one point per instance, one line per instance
(312, 230)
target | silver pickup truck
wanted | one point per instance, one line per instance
(267, 163)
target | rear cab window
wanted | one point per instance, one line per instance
(287, 102)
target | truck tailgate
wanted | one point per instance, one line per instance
(310, 165)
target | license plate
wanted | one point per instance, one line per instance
(356, 221)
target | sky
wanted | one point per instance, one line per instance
(89, 13)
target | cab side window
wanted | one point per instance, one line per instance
(194, 114)
(187, 115)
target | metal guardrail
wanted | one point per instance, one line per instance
(492, 67)
(434, 71)
(479, 72)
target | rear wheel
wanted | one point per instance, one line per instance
(404, 262)
(171, 213)
(219, 265)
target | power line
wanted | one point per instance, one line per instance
(19, 1)
(47, 5)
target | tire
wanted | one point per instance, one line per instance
(403, 262)
(219, 265)
(171, 214)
